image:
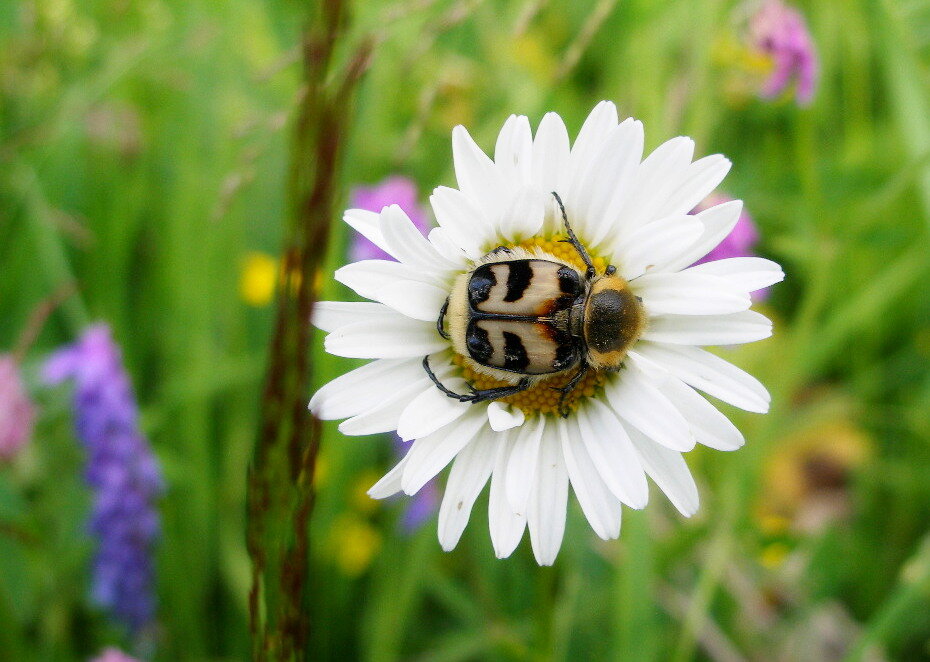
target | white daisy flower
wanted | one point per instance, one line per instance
(524, 317)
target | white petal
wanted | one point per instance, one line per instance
(502, 416)
(462, 219)
(368, 277)
(383, 417)
(660, 173)
(594, 178)
(389, 485)
(701, 178)
(633, 396)
(718, 223)
(653, 245)
(363, 388)
(600, 507)
(416, 300)
(710, 373)
(406, 243)
(612, 452)
(478, 177)
(732, 329)
(615, 179)
(670, 472)
(711, 427)
(513, 152)
(506, 526)
(522, 464)
(448, 248)
(470, 472)
(396, 338)
(330, 315)
(688, 294)
(430, 411)
(550, 153)
(366, 223)
(525, 215)
(579, 190)
(747, 273)
(429, 455)
(548, 501)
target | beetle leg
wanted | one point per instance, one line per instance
(476, 395)
(573, 240)
(501, 249)
(440, 323)
(498, 392)
(569, 387)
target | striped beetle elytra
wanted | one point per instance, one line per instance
(523, 316)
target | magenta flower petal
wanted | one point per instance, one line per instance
(394, 190)
(781, 32)
(17, 413)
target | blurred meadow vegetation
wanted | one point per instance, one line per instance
(143, 158)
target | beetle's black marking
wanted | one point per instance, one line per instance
(566, 352)
(568, 281)
(476, 395)
(440, 323)
(610, 320)
(480, 284)
(515, 357)
(479, 344)
(573, 240)
(519, 277)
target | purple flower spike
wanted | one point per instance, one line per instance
(739, 243)
(122, 472)
(394, 190)
(17, 414)
(781, 32)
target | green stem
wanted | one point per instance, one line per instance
(280, 479)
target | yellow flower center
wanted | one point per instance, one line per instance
(542, 397)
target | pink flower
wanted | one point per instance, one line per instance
(780, 32)
(739, 243)
(394, 190)
(17, 414)
(113, 655)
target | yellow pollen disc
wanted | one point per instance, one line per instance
(561, 250)
(541, 398)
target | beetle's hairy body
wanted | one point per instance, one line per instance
(522, 317)
(528, 314)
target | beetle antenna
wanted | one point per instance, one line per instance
(573, 240)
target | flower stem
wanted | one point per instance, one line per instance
(280, 479)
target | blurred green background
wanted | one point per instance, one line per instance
(143, 156)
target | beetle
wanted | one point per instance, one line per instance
(522, 317)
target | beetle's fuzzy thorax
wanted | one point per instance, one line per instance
(613, 321)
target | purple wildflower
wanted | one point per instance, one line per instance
(394, 190)
(739, 243)
(121, 471)
(17, 414)
(113, 655)
(780, 32)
